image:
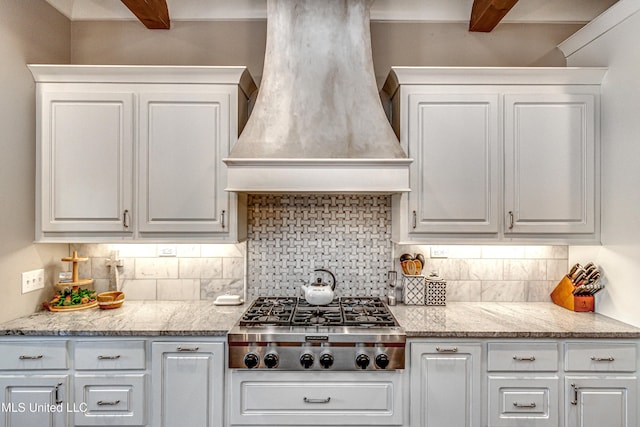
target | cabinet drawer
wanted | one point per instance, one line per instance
(97, 355)
(308, 399)
(603, 357)
(527, 357)
(523, 401)
(30, 355)
(110, 400)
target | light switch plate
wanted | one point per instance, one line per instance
(32, 280)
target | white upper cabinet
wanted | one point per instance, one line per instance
(85, 152)
(183, 139)
(550, 165)
(453, 140)
(136, 152)
(500, 154)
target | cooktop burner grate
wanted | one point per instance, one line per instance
(346, 311)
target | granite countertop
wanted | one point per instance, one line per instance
(508, 320)
(134, 318)
(202, 318)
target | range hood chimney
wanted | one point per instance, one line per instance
(318, 124)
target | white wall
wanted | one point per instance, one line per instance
(243, 43)
(30, 32)
(619, 255)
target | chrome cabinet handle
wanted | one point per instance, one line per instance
(125, 218)
(415, 219)
(524, 359)
(307, 400)
(447, 350)
(57, 394)
(222, 218)
(510, 220)
(188, 348)
(575, 394)
(26, 357)
(524, 405)
(603, 359)
(108, 402)
(114, 357)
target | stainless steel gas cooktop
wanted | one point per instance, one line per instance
(350, 333)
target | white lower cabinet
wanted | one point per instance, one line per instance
(445, 384)
(597, 401)
(34, 383)
(110, 399)
(110, 385)
(34, 400)
(601, 388)
(315, 398)
(523, 401)
(188, 384)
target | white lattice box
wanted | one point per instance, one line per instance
(413, 290)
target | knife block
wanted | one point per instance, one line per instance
(563, 296)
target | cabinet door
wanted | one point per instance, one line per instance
(187, 384)
(183, 139)
(453, 140)
(604, 401)
(85, 161)
(445, 385)
(34, 400)
(550, 166)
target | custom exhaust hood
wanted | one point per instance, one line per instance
(318, 124)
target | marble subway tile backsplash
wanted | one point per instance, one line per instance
(196, 272)
(494, 273)
(290, 235)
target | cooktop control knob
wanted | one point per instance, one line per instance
(362, 361)
(271, 360)
(326, 360)
(382, 361)
(251, 360)
(306, 360)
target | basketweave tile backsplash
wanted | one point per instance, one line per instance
(291, 235)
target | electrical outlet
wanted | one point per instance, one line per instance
(439, 252)
(167, 250)
(32, 280)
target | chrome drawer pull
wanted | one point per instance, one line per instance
(447, 350)
(108, 403)
(524, 359)
(24, 357)
(307, 400)
(602, 359)
(117, 356)
(188, 348)
(524, 405)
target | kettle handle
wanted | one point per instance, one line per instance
(333, 278)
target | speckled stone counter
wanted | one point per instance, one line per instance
(202, 318)
(508, 320)
(134, 318)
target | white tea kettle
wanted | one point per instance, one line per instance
(318, 292)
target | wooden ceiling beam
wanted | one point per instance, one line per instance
(154, 14)
(486, 14)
